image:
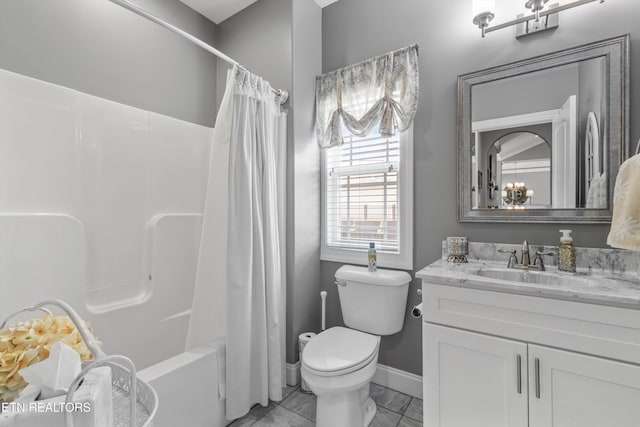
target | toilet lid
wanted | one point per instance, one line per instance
(339, 351)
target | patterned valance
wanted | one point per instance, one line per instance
(379, 92)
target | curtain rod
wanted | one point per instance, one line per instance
(281, 94)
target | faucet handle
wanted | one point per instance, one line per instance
(538, 260)
(546, 253)
(513, 260)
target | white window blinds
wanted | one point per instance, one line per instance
(362, 196)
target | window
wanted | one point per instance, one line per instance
(367, 195)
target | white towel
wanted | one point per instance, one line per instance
(602, 193)
(591, 195)
(625, 223)
(597, 195)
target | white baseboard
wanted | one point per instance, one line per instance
(402, 381)
(293, 373)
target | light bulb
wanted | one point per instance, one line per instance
(483, 13)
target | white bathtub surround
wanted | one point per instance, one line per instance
(250, 262)
(209, 308)
(106, 200)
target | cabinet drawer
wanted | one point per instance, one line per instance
(587, 328)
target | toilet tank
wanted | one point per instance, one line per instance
(373, 302)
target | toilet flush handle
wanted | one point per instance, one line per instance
(340, 283)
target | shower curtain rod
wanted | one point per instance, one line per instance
(281, 94)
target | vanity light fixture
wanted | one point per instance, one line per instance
(516, 193)
(540, 18)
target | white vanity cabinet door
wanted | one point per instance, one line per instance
(471, 380)
(582, 391)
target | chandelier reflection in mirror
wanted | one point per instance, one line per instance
(515, 194)
(540, 19)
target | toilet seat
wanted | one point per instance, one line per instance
(339, 351)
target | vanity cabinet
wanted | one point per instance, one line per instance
(477, 380)
(472, 379)
(580, 390)
(492, 359)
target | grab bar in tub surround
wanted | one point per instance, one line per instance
(144, 281)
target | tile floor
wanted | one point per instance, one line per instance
(298, 409)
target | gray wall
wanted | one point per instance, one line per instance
(259, 38)
(99, 48)
(281, 41)
(303, 284)
(541, 91)
(450, 45)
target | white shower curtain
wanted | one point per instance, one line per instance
(252, 131)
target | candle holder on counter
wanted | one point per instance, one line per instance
(458, 249)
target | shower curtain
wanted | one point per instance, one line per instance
(244, 232)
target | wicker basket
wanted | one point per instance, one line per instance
(132, 406)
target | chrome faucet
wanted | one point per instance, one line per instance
(525, 254)
(525, 264)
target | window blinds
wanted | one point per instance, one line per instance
(362, 199)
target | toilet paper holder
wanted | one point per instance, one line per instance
(416, 311)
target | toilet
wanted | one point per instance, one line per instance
(339, 363)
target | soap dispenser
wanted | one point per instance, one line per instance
(567, 253)
(373, 257)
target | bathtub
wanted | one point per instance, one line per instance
(187, 387)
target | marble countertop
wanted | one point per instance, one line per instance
(587, 285)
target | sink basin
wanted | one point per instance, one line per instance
(532, 276)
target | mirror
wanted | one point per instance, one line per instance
(542, 139)
(518, 165)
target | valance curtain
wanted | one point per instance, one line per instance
(379, 92)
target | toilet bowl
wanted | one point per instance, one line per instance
(338, 365)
